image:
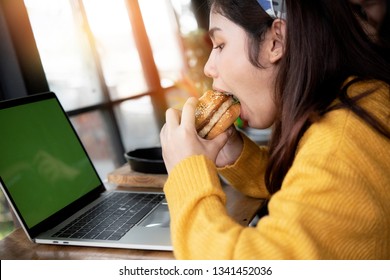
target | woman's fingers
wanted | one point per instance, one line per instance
(188, 114)
(172, 117)
(186, 117)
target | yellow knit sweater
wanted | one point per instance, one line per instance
(334, 202)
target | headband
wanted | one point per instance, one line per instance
(274, 8)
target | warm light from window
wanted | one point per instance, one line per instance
(69, 65)
(186, 17)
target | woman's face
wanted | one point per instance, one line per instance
(232, 72)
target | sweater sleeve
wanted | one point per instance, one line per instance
(251, 164)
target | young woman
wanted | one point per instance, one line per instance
(307, 69)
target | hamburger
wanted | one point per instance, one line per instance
(214, 113)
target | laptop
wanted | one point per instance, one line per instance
(55, 191)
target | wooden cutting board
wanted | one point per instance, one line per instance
(126, 177)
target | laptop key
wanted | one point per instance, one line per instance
(64, 234)
(104, 235)
(90, 235)
(120, 232)
(125, 227)
(77, 235)
(137, 217)
(116, 236)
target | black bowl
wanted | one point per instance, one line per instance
(147, 160)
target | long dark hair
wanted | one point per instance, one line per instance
(325, 44)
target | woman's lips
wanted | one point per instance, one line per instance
(242, 113)
(218, 89)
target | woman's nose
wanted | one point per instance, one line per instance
(209, 68)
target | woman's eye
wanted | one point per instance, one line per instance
(220, 46)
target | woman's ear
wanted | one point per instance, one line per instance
(278, 35)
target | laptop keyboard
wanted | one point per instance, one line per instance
(112, 218)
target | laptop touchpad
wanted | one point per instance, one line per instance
(158, 218)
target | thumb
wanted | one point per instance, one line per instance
(222, 139)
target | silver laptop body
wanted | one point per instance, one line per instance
(49, 181)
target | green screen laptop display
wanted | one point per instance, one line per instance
(41, 159)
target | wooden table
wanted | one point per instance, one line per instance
(17, 246)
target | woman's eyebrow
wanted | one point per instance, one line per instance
(213, 30)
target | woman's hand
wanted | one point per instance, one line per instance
(180, 140)
(232, 148)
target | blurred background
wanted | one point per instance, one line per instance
(115, 65)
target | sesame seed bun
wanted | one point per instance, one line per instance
(214, 113)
